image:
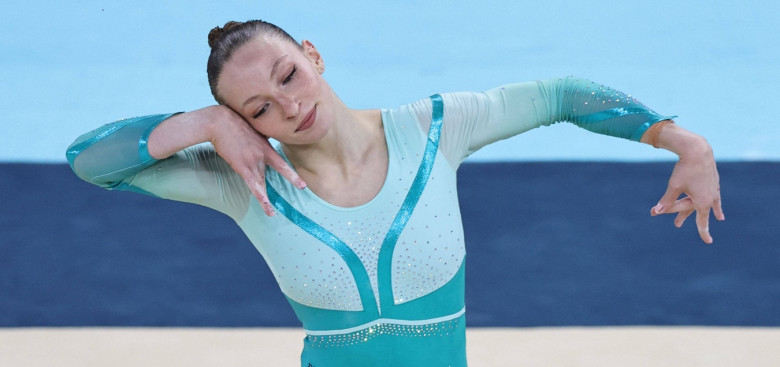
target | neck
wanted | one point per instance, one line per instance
(348, 146)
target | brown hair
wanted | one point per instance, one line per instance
(227, 39)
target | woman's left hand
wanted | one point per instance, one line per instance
(695, 176)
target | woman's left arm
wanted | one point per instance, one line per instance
(473, 121)
(695, 176)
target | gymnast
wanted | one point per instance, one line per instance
(358, 217)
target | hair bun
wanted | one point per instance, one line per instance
(216, 33)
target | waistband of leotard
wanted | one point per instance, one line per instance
(388, 322)
(437, 327)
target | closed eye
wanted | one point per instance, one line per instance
(290, 76)
(262, 111)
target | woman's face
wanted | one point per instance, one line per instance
(278, 88)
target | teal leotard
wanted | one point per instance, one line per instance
(380, 284)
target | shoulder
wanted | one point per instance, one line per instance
(455, 104)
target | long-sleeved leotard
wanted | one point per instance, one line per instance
(381, 283)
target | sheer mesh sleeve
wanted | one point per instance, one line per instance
(473, 120)
(109, 154)
(115, 156)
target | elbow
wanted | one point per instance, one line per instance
(83, 170)
(80, 170)
(71, 154)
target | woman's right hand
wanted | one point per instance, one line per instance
(248, 152)
(240, 145)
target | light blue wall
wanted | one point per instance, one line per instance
(68, 67)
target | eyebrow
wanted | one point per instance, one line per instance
(273, 72)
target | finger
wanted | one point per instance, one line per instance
(679, 206)
(262, 192)
(667, 201)
(278, 163)
(718, 210)
(255, 181)
(681, 216)
(682, 205)
(703, 223)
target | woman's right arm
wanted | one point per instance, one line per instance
(246, 150)
(119, 155)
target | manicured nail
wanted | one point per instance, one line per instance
(658, 209)
(301, 185)
(268, 210)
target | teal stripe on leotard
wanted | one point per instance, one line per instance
(362, 280)
(599, 109)
(384, 269)
(622, 111)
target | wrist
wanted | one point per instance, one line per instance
(221, 123)
(181, 131)
(682, 142)
(213, 121)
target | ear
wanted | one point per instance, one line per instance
(313, 55)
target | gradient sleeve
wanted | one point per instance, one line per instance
(473, 120)
(115, 157)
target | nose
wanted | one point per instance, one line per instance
(290, 106)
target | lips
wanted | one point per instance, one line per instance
(308, 120)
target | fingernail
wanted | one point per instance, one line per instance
(658, 209)
(301, 185)
(268, 210)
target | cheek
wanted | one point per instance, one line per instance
(264, 128)
(311, 82)
(308, 86)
